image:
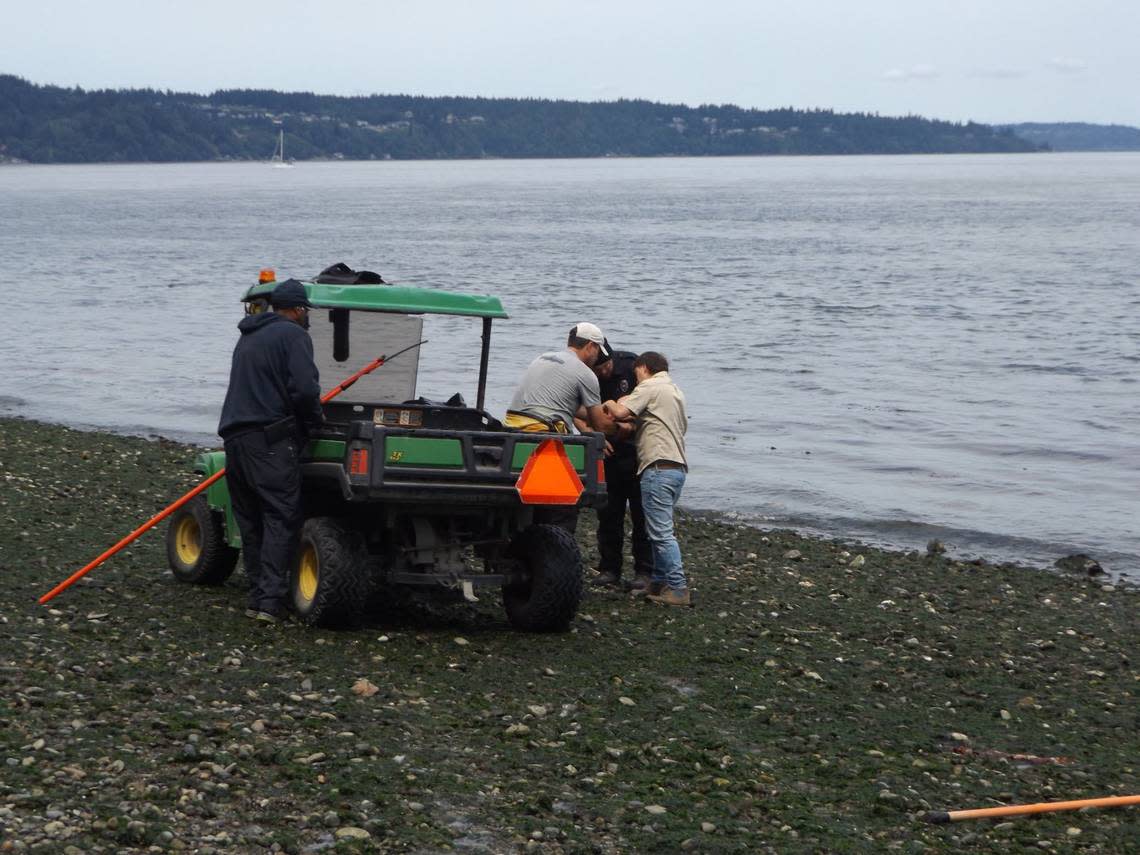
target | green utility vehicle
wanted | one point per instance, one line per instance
(402, 490)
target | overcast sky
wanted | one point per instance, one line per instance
(988, 60)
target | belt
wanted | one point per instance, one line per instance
(666, 464)
(242, 430)
(274, 431)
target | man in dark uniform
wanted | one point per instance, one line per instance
(272, 402)
(616, 379)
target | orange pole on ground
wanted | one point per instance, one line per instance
(1041, 807)
(169, 509)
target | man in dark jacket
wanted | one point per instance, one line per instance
(616, 379)
(272, 402)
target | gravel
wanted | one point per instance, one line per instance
(824, 698)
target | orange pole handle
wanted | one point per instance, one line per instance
(133, 536)
(1041, 807)
(344, 384)
(163, 514)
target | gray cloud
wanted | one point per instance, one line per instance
(1068, 65)
(914, 72)
(996, 73)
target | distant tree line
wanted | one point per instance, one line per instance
(52, 124)
(1079, 136)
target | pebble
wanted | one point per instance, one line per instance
(415, 806)
(538, 710)
(959, 737)
(462, 642)
(1073, 831)
(629, 702)
(793, 554)
(351, 832)
(656, 810)
(708, 827)
(1004, 715)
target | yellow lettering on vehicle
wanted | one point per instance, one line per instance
(395, 456)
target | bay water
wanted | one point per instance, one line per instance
(894, 349)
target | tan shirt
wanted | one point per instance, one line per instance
(661, 420)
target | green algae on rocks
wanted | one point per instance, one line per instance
(821, 696)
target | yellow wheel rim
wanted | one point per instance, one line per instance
(309, 573)
(188, 541)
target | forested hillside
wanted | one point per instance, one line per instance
(1079, 136)
(51, 124)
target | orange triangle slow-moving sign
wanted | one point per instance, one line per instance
(549, 477)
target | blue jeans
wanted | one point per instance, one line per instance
(660, 492)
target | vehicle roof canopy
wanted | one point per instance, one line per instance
(400, 299)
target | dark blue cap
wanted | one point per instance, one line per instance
(289, 295)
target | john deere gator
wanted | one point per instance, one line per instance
(407, 490)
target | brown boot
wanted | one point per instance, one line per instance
(671, 597)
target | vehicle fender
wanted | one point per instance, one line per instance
(218, 493)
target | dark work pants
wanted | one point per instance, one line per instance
(265, 488)
(624, 491)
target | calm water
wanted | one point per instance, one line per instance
(891, 348)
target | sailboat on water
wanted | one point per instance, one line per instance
(278, 159)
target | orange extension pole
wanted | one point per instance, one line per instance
(1041, 807)
(169, 509)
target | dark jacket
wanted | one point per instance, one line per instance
(272, 376)
(619, 384)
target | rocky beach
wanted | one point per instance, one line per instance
(821, 696)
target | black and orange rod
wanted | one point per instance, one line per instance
(217, 476)
(1017, 810)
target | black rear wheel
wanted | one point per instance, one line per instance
(329, 582)
(548, 600)
(196, 547)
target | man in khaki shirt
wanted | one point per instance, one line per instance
(658, 407)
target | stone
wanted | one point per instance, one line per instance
(656, 810)
(708, 827)
(365, 688)
(351, 832)
(1079, 563)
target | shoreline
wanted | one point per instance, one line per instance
(725, 517)
(819, 697)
